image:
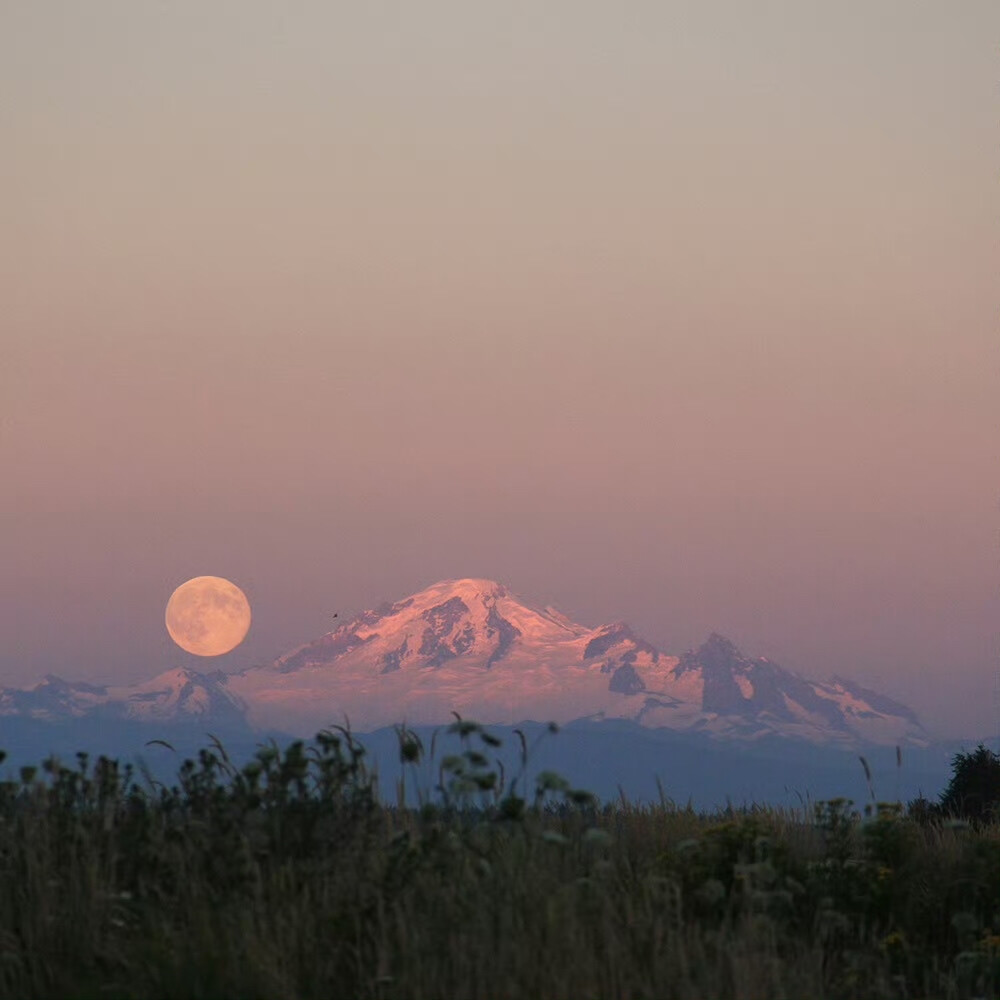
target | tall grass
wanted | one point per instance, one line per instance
(287, 878)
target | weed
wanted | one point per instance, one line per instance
(288, 878)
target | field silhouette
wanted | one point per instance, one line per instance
(290, 877)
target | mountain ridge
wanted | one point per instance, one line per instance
(470, 645)
(179, 694)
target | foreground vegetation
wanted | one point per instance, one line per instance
(287, 878)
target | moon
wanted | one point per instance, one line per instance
(208, 616)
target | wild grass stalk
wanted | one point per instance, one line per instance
(288, 878)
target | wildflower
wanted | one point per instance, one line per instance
(990, 943)
(893, 941)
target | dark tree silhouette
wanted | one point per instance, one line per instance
(974, 790)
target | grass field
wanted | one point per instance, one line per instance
(289, 878)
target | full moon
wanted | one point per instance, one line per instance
(208, 616)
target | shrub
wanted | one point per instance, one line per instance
(974, 790)
(289, 879)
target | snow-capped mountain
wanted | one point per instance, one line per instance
(175, 696)
(472, 647)
(763, 696)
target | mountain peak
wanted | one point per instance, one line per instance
(467, 586)
(718, 648)
(471, 622)
(179, 693)
(471, 646)
(716, 655)
(717, 639)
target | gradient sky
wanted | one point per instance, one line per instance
(683, 313)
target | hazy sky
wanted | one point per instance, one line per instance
(683, 313)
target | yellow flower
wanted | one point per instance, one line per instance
(990, 943)
(893, 941)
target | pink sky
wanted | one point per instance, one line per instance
(684, 315)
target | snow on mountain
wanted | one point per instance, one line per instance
(752, 697)
(471, 646)
(52, 698)
(178, 695)
(464, 645)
